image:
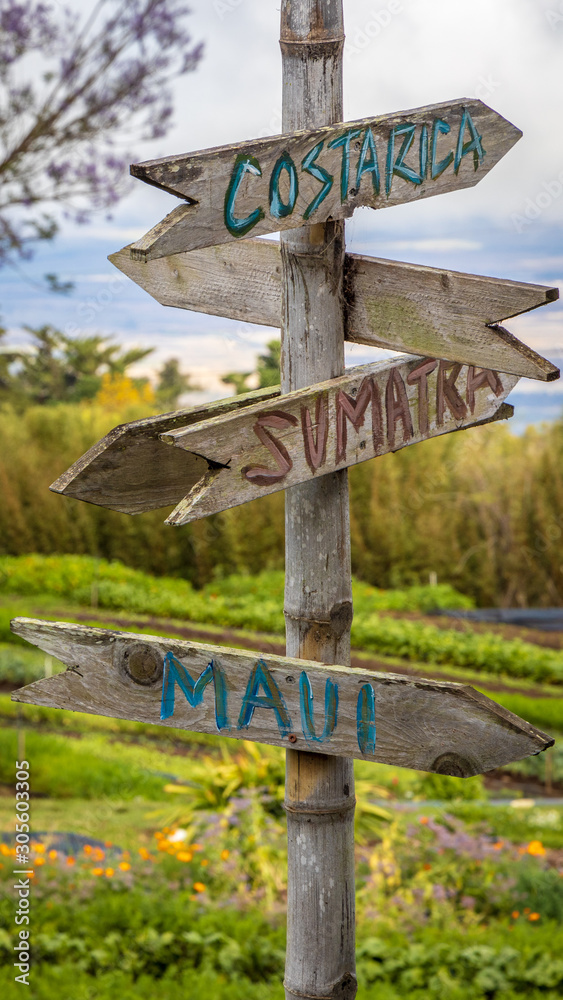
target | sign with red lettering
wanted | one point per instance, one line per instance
(287, 181)
(371, 410)
(240, 448)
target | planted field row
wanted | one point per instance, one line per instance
(255, 603)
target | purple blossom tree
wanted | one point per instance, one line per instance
(75, 89)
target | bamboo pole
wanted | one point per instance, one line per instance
(319, 798)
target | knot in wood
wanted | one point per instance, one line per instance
(140, 662)
(454, 765)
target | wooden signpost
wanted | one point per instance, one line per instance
(371, 410)
(460, 368)
(310, 175)
(428, 725)
(402, 307)
(263, 442)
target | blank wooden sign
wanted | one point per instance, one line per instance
(402, 307)
(408, 722)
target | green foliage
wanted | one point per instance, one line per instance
(514, 822)
(444, 788)
(541, 712)
(65, 770)
(481, 510)
(481, 651)
(63, 369)
(20, 666)
(256, 603)
(267, 370)
(172, 384)
(453, 971)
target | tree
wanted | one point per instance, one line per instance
(103, 78)
(172, 384)
(267, 371)
(64, 369)
(268, 366)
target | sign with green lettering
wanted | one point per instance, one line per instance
(287, 181)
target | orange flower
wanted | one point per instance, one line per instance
(40, 861)
(427, 867)
(144, 854)
(39, 848)
(107, 843)
(224, 855)
(159, 835)
(87, 848)
(109, 872)
(124, 865)
(184, 855)
(204, 862)
(199, 887)
(52, 855)
(515, 914)
(97, 871)
(499, 845)
(5, 850)
(196, 847)
(534, 916)
(527, 909)
(423, 819)
(536, 848)
(71, 861)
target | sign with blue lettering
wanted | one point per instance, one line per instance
(429, 725)
(287, 181)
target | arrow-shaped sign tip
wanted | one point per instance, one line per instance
(161, 240)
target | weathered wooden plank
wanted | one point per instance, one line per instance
(443, 314)
(404, 307)
(369, 411)
(131, 470)
(240, 281)
(430, 725)
(283, 182)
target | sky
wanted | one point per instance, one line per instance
(399, 54)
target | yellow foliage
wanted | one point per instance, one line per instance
(118, 392)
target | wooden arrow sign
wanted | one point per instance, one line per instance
(401, 307)
(132, 471)
(429, 725)
(286, 181)
(371, 410)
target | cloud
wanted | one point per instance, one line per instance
(439, 245)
